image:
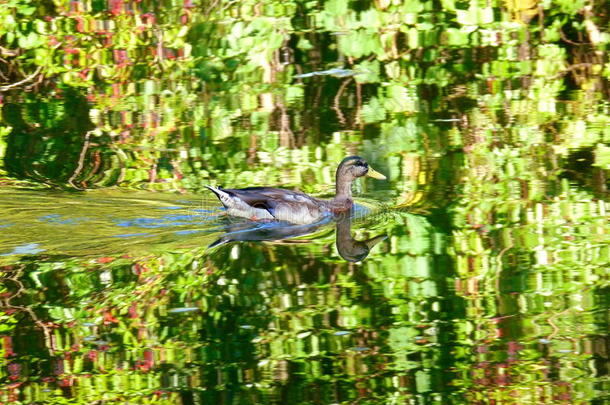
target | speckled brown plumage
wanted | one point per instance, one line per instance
(267, 203)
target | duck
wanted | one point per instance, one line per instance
(296, 207)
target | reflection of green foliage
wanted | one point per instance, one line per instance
(238, 62)
(118, 310)
(493, 117)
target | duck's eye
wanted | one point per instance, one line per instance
(361, 163)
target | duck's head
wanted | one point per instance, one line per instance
(350, 169)
(353, 167)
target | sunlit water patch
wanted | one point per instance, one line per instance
(104, 222)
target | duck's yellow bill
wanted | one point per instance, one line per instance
(375, 174)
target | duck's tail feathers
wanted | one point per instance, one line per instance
(222, 195)
(215, 190)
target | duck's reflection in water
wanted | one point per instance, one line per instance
(349, 248)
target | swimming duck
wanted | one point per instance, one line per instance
(267, 203)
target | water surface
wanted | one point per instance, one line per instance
(476, 274)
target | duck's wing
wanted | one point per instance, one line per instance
(271, 203)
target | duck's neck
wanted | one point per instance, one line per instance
(343, 193)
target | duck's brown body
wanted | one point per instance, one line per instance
(267, 203)
(259, 203)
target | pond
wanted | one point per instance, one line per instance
(476, 273)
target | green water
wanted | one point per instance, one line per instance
(477, 273)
